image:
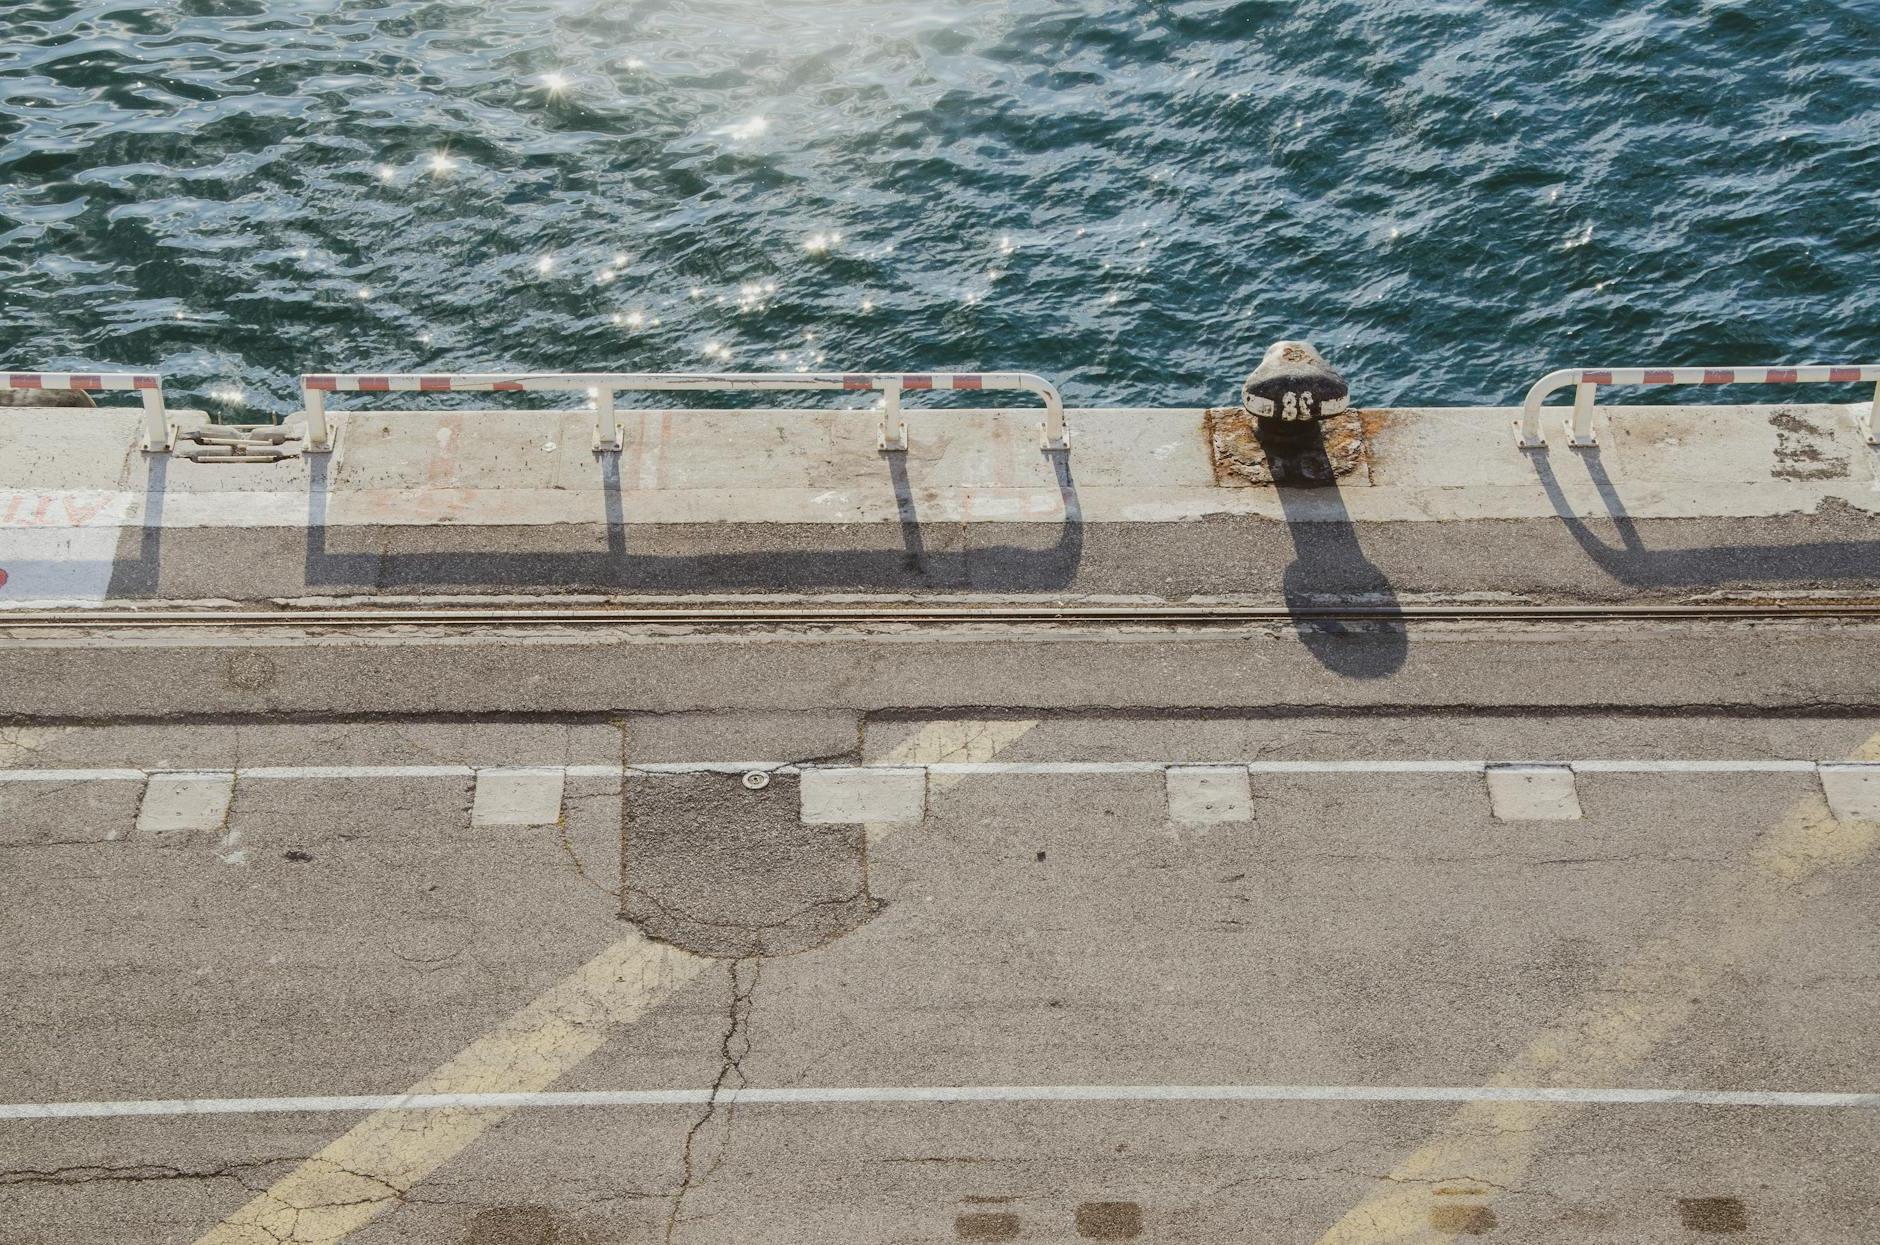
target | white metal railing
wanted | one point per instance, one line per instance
(1586, 382)
(602, 386)
(157, 434)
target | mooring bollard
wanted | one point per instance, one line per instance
(1293, 388)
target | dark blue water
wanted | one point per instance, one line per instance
(1132, 198)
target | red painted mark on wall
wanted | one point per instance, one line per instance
(76, 509)
(3, 576)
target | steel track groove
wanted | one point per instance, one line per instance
(863, 615)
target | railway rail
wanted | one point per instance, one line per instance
(771, 615)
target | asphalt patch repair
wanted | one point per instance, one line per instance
(720, 869)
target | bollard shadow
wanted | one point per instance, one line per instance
(769, 564)
(1329, 567)
(1627, 559)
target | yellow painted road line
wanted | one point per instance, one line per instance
(1639, 1005)
(967, 742)
(368, 1170)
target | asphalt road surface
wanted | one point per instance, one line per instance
(1324, 979)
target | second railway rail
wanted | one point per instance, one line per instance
(721, 614)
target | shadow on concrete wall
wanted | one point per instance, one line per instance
(1329, 567)
(1800, 564)
(781, 557)
(139, 574)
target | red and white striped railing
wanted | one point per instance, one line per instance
(156, 415)
(1586, 382)
(602, 386)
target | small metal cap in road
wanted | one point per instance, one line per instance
(1294, 384)
(756, 779)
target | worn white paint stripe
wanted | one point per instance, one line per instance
(72, 775)
(1256, 767)
(1692, 767)
(358, 771)
(963, 769)
(921, 1094)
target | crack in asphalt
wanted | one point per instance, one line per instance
(733, 1048)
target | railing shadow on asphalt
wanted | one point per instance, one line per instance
(139, 574)
(1329, 567)
(770, 565)
(1632, 563)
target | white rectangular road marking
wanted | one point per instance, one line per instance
(1533, 793)
(175, 802)
(918, 1094)
(1853, 791)
(875, 795)
(517, 797)
(1202, 795)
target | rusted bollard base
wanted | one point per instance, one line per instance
(1296, 453)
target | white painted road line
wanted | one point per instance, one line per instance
(970, 769)
(924, 1094)
(72, 775)
(358, 771)
(1533, 793)
(1692, 767)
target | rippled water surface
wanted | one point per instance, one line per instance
(1132, 198)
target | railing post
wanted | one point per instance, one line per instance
(1057, 436)
(156, 422)
(1582, 427)
(1529, 434)
(319, 435)
(609, 437)
(891, 413)
(1871, 424)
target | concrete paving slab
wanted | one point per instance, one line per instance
(185, 802)
(1853, 791)
(879, 794)
(1208, 795)
(1729, 444)
(1533, 793)
(57, 449)
(517, 797)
